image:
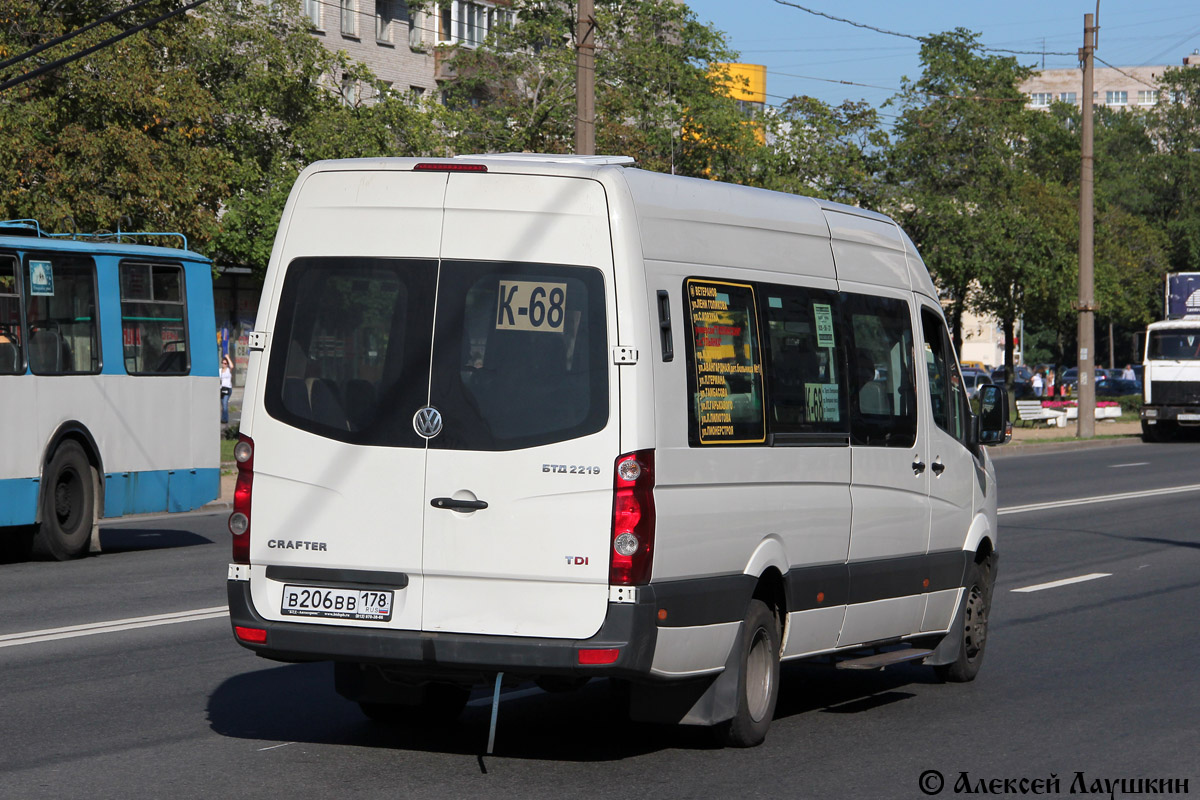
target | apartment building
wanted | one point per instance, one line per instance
(397, 43)
(1117, 87)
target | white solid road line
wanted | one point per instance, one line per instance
(1131, 464)
(1064, 582)
(112, 626)
(1104, 498)
(132, 518)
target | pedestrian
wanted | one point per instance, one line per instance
(226, 374)
(1038, 383)
(1127, 374)
(1050, 383)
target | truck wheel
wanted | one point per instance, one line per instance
(1158, 432)
(971, 624)
(439, 706)
(758, 680)
(68, 504)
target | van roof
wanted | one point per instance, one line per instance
(673, 200)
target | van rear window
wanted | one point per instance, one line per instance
(518, 353)
(350, 350)
(519, 356)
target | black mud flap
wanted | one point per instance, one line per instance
(699, 701)
(951, 645)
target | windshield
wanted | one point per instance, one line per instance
(1175, 345)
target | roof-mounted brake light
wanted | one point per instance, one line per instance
(433, 166)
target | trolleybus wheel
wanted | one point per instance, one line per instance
(68, 503)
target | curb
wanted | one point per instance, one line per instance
(1029, 448)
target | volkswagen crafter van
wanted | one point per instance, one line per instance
(560, 418)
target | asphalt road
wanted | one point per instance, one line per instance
(1094, 677)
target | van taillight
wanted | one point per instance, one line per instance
(239, 520)
(633, 519)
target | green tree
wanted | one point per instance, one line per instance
(962, 188)
(1175, 129)
(832, 152)
(657, 96)
(123, 137)
(286, 102)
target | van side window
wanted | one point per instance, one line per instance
(883, 407)
(725, 375)
(11, 360)
(350, 349)
(61, 314)
(947, 397)
(806, 389)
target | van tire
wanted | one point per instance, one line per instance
(970, 624)
(68, 505)
(440, 705)
(758, 679)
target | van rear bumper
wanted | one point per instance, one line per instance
(629, 628)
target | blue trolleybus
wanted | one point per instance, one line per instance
(109, 399)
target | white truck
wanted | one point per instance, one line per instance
(1171, 378)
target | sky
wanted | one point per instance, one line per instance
(808, 55)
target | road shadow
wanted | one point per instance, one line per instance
(115, 539)
(817, 687)
(297, 703)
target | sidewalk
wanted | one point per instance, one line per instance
(1041, 438)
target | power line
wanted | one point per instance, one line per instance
(71, 35)
(921, 39)
(1123, 72)
(53, 65)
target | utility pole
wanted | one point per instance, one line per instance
(1087, 306)
(585, 80)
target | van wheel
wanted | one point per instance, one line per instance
(972, 619)
(758, 679)
(439, 706)
(68, 504)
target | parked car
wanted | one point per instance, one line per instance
(973, 379)
(1070, 379)
(978, 366)
(1022, 376)
(1118, 387)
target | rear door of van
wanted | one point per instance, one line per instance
(523, 377)
(438, 403)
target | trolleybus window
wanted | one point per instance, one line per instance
(61, 314)
(11, 359)
(153, 319)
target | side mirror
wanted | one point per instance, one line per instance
(994, 427)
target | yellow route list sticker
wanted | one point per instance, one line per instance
(728, 396)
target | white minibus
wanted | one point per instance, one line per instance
(557, 418)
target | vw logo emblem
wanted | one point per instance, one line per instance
(428, 422)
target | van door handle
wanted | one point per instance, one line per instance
(938, 467)
(918, 466)
(458, 505)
